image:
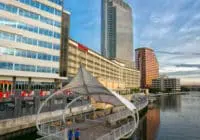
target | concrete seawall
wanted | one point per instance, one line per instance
(16, 124)
(19, 123)
(12, 125)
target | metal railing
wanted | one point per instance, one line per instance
(115, 134)
(120, 132)
(142, 104)
(61, 135)
(126, 113)
(119, 116)
(46, 128)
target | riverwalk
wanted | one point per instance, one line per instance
(166, 94)
(99, 128)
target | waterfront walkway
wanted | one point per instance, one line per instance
(112, 124)
(99, 129)
(166, 94)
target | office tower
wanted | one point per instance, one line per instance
(30, 32)
(148, 66)
(116, 30)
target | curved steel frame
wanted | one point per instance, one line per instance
(136, 124)
(68, 105)
(41, 106)
(136, 118)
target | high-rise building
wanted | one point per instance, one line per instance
(116, 30)
(147, 63)
(30, 40)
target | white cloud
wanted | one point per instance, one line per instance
(146, 44)
(196, 17)
(190, 29)
(194, 80)
(170, 69)
(163, 18)
(152, 32)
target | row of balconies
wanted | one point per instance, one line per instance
(73, 71)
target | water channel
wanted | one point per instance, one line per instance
(175, 117)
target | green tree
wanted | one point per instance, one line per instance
(154, 90)
(135, 90)
(168, 90)
(185, 89)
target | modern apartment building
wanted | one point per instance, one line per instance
(166, 84)
(116, 30)
(147, 64)
(112, 74)
(30, 42)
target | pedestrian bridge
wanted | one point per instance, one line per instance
(120, 120)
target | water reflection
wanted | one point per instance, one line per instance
(149, 125)
(173, 118)
(170, 103)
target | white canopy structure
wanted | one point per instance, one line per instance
(84, 84)
(123, 100)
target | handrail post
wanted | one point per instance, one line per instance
(65, 134)
(48, 131)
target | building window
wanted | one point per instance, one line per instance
(30, 41)
(6, 51)
(43, 69)
(7, 36)
(45, 44)
(22, 67)
(59, 2)
(43, 56)
(28, 54)
(41, 6)
(6, 65)
(55, 70)
(29, 14)
(8, 8)
(30, 28)
(56, 58)
(56, 47)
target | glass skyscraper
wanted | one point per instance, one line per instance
(116, 30)
(30, 33)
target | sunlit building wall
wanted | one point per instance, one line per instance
(147, 64)
(112, 74)
(30, 32)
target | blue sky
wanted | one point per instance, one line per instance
(170, 27)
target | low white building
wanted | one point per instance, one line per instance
(166, 84)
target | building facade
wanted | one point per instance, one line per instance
(64, 44)
(147, 64)
(30, 33)
(116, 30)
(112, 74)
(166, 84)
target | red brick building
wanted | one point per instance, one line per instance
(147, 63)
